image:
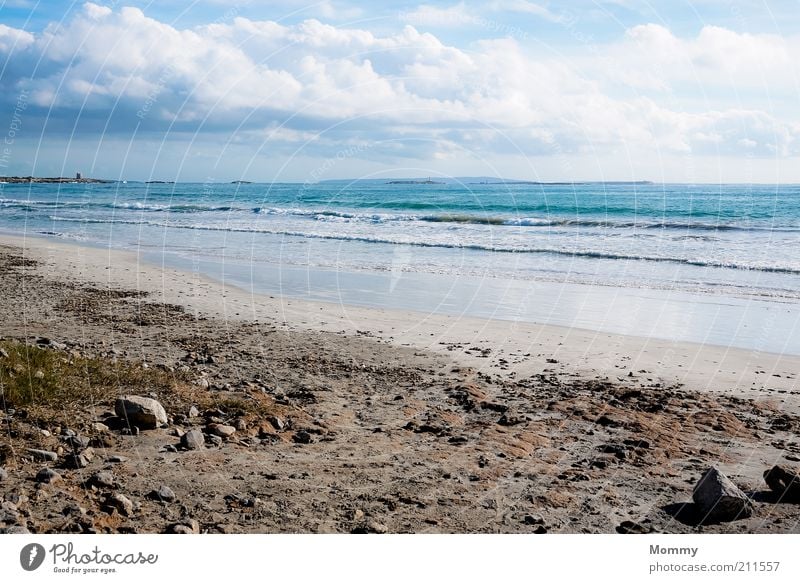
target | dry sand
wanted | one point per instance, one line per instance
(397, 422)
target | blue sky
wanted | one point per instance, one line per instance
(584, 90)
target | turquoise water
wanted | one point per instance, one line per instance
(460, 245)
(740, 233)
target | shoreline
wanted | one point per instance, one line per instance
(581, 352)
(307, 417)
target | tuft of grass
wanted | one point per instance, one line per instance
(31, 376)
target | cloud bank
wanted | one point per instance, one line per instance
(314, 87)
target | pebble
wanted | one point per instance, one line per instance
(121, 503)
(143, 412)
(193, 412)
(164, 494)
(276, 422)
(185, 527)
(302, 437)
(193, 439)
(3, 474)
(43, 455)
(117, 459)
(215, 440)
(16, 530)
(100, 427)
(48, 476)
(221, 430)
(102, 479)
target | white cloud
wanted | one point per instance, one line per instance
(271, 81)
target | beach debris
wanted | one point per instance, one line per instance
(42, 455)
(103, 479)
(142, 412)
(163, 494)
(120, 503)
(783, 482)
(719, 499)
(48, 476)
(221, 429)
(193, 439)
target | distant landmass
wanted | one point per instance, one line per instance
(52, 180)
(489, 180)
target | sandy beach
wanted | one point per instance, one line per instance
(381, 420)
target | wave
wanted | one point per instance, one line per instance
(581, 253)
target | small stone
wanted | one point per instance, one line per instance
(193, 439)
(631, 527)
(100, 427)
(240, 425)
(117, 459)
(141, 412)
(193, 412)
(169, 448)
(221, 430)
(530, 519)
(16, 530)
(38, 374)
(43, 455)
(3, 474)
(77, 442)
(276, 422)
(48, 476)
(783, 482)
(376, 527)
(202, 383)
(102, 479)
(45, 432)
(215, 440)
(302, 437)
(80, 460)
(190, 526)
(164, 494)
(120, 503)
(719, 499)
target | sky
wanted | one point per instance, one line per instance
(285, 90)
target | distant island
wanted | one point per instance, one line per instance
(241, 182)
(160, 182)
(428, 181)
(52, 180)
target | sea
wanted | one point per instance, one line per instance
(713, 263)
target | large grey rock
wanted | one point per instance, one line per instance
(193, 439)
(142, 412)
(43, 455)
(719, 499)
(784, 483)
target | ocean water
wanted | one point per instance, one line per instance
(478, 249)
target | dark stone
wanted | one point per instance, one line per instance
(784, 483)
(719, 499)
